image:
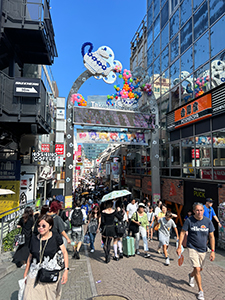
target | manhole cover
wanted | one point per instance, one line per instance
(108, 297)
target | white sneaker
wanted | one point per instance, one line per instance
(167, 261)
(159, 250)
(191, 280)
(92, 250)
(201, 295)
(137, 252)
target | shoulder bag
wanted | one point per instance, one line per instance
(133, 226)
(44, 275)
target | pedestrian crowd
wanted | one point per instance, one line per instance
(44, 257)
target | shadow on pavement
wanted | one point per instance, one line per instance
(162, 278)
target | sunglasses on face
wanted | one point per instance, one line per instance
(43, 226)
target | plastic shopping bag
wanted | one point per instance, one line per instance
(22, 285)
(86, 239)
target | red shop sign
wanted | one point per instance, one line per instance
(59, 149)
(195, 153)
(45, 147)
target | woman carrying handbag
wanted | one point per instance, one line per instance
(48, 256)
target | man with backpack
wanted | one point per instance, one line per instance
(77, 215)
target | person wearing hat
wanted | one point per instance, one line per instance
(209, 211)
(141, 219)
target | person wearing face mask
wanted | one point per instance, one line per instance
(44, 249)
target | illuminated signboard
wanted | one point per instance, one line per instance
(112, 118)
(190, 113)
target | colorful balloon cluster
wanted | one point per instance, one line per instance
(200, 83)
(128, 91)
(79, 99)
(146, 87)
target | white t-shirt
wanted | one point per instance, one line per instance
(150, 216)
(157, 211)
(131, 208)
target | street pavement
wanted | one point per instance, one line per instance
(134, 278)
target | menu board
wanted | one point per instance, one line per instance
(113, 118)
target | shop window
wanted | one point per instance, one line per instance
(175, 135)
(164, 15)
(175, 154)
(156, 7)
(187, 131)
(219, 148)
(174, 48)
(165, 59)
(165, 36)
(217, 37)
(217, 8)
(149, 17)
(174, 24)
(202, 81)
(149, 56)
(200, 20)
(188, 156)
(156, 27)
(186, 36)
(185, 10)
(219, 174)
(164, 155)
(204, 174)
(150, 37)
(187, 89)
(201, 50)
(218, 70)
(164, 172)
(203, 146)
(156, 47)
(175, 173)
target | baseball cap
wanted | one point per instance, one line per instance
(141, 205)
(209, 200)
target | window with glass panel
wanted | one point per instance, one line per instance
(175, 73)
(201, 51)
(164, 100)
(187, 63)
(187, 90)
(202, 80)
(174, 24)
(149, 17)
(203, 146)
(186, 36)
(156, 47)
(149, 56)
(173, 4)
(217, 37)
(156, 7)
(188, 156)
(149, 37)
(219, 149)
(174, 48)
(165, 59)
(200, 20)
(175, 154)
(156, 26)
(165, 36)
(217, 8)
(185, 11)
(164, 155)
(157, 67)
(164, 15)
(218, 70)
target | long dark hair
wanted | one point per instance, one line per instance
(44, 210)
(98, 212)
(109, 204)
(27, 213)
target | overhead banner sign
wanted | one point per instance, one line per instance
(110, 137)
(190, 113)
(27, 87)
(90, 116)
(44, 156)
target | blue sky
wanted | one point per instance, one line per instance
(111, 23)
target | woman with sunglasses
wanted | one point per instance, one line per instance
(44, 250)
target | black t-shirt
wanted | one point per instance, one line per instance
(26, 227)
(108, 219)
(52, 246)
(198, 232)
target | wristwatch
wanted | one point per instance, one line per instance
(67, 269)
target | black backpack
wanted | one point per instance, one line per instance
(77, 218)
